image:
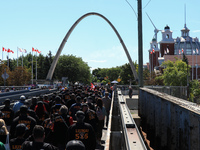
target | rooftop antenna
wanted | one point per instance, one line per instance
(155, 30)
(185, 15)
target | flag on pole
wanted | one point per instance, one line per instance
(153, 51)
(38, 51)
(22, 50)
(4, 49)
(179, 52)
(193, 51)
(197, 51)
(182, 50)
(34, 50)
(167, 50)
(92, 86)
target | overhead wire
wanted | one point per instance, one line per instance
(147, 4)
(132, 8)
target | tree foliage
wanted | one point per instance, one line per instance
(174, 73)
(72, 67)
(124, 72)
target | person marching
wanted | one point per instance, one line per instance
(82, 131)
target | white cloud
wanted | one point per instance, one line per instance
(196, 31)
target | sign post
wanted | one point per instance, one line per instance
(4, 76)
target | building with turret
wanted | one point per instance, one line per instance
(173, 48)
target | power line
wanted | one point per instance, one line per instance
(132, 8)
(147, 4)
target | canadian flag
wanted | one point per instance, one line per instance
(34, 50)
(10, 51)
(92, 86)
(182, 50)
(38, 51)
(4, 49)
(153, 51)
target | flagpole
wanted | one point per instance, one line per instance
(150, 64)
(192, 64)
(17, 56)
(22, 59)
(152, 61)
(8, 59)
(2, 53)
(32, 66)
(196, 64)
(36, 68)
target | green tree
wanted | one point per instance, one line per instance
(127, 74)
(174, 73)
(72, 67)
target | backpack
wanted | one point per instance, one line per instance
(100, 114)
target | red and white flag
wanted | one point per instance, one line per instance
(3, 49)
(34, 50)
(197, 51)
(153, 51)
(38, 51)
(92, 86)
(182, 50)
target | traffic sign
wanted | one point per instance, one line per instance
(5, 76)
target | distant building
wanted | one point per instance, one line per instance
(171, 48)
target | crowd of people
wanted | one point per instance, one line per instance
(72, 118)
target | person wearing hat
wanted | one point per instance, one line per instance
(90, 116)
(71, 100)
(75, 107)
(82, 131)
(41, 112)
(16, 143)
(55, 108)
(61, 125)
(23, 118)
(18, 104)
(8, 113)
(33, 103)
(75, 145)
(38, 143)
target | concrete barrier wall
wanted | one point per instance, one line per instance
(170, 123)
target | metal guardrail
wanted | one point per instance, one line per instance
(122, 132)
(132, 137)
(28, 101)
(29, 93)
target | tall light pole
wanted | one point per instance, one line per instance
(140, 44)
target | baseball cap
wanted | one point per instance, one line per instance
(22, 97)
(21, 129)
(23, 109)
(75, 145)
(7, 100)
(80, 114)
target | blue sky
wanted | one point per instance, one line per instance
(42, 24)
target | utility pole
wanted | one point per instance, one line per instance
(140, 44)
